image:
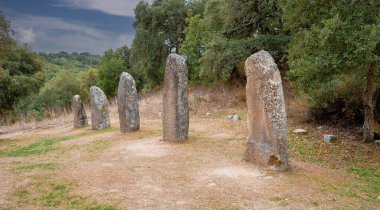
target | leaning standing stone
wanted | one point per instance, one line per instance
(80, 117)
(175, 119)
(128, 106)
(99, 109)
(267, 123)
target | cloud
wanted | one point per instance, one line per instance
(111, 7)
(52, 23)
(50, 34)
(25, 35)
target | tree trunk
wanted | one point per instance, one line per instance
(368, 127)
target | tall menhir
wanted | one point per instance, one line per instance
(267, 123)
(175, 119)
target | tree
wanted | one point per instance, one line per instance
(86, 80)
(229, 31)
(159, 31)
(7, 42)
(22, 75)
(333, 53)
(112, 64)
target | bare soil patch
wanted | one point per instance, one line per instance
(138, 171)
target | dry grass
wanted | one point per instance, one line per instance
(80, 168)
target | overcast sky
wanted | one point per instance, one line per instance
(71, 25)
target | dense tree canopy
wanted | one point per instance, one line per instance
(6, 40)
(228, 33)
(333, 46)
(112, 64)
(334, 54)
(21, 76)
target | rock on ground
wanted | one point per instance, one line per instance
(329, 138)
(300, 131)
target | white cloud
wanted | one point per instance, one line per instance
(25, 35)
(112, 7)
(52, 23)
(51, 34)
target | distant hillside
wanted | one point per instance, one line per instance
(73, 62)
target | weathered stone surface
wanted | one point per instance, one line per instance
(175, 119)
(267, 123)
(300, 131)
(128, 106)
(233, 117)
(80, 117)
(99, 109)
(329, 138)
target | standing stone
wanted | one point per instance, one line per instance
(267, 123)
(175, 119)
(128, 106)
(99, 109)
(80, 117)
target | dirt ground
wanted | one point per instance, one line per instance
(111, 170)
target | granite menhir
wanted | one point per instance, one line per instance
(267, 123)
(80, 117)
(128, 107)
(99, 109)
(175, 118)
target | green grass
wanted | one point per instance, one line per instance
(93, 150)
(46, 145)
(44, 192)
(32, 166)
(353, 157)
(369, 185)
(147, 134)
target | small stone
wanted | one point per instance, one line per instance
(376, 135)
(160, 114)
(329, 138)
(1, 131)
(320, 128)
(208, 114)
(236, 117)
(211, 184)
(300, 131)
(377, 143)
(229, 117)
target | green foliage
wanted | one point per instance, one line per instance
(54, 95)
(22, 76)
(87, 79)
(112, 64)
(194, 45)
(218, 43)
(6, 40)
(74, 62)
(332, 48)
(159, 31)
